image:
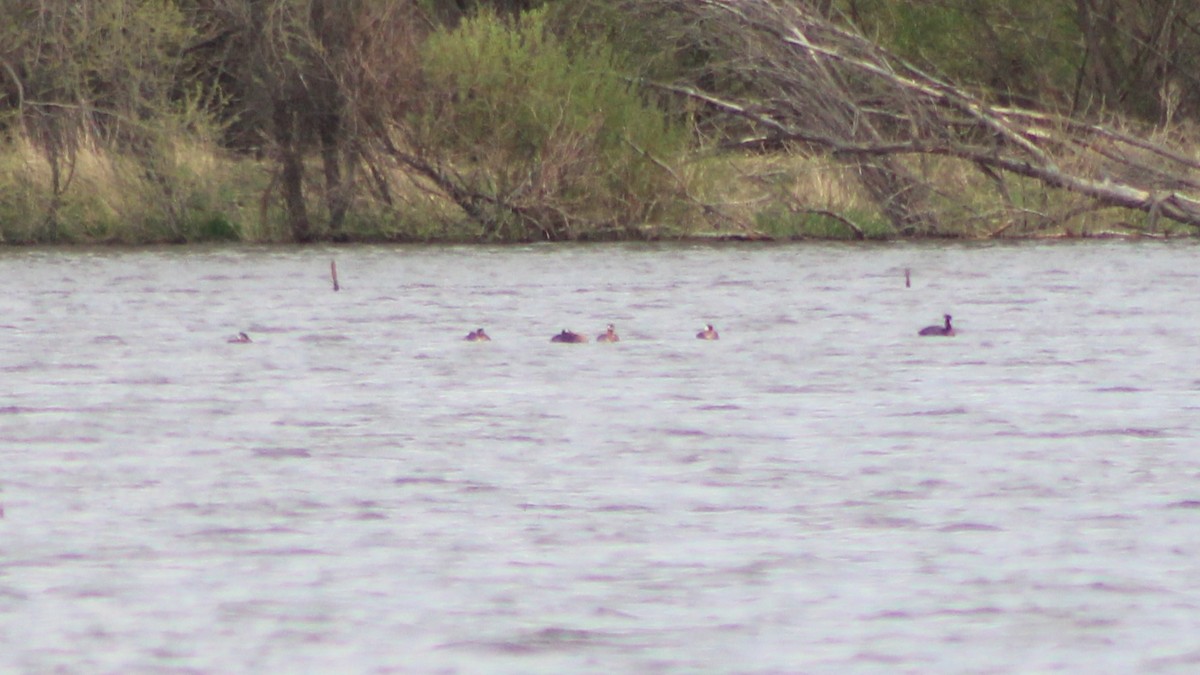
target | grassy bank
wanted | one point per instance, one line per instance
(106, 198)
(144, 124)
(202, 194)
(207, 194)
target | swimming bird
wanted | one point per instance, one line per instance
(478, 336)
(709, 333)
(239, 339)
(609, 335)
(946, 330)
(569, 336)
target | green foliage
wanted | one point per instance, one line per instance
(779, 222)
(1023, 50)
(99, 104)
(215, 227)
(451, 11)
(109, 65)
(527, 120)
(17, 200)
(109, 109)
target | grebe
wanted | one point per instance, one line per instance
(478, 336)
(569, 336)
(240, 339)
(609, 335)
(946, 330)
(709, 333)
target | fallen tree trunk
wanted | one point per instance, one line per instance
(804, 80)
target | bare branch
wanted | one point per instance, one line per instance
(811, 81)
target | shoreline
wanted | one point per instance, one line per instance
(714, 239)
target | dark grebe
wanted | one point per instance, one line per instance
(609, 335)
(946, 330)
(709, 333)
(241, 338)
(568, 336)
(478, 336)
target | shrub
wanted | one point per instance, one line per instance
(550, 142)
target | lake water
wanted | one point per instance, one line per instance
(820, 490)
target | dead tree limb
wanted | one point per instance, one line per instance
(800, 77)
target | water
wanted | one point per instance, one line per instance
(818, 491)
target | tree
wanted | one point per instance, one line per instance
(1140, 56)
(95, 71)
(307, 78)
(806, 80)
(534, 140)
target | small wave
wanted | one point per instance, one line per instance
(279, 453)
(419, 480)
(26, 410)
(1103, 517)
(896, 494)
(1130, 431)
(623, 508)
(698, 433)
(878, 657)
(608, 611)
(306, 424)
(286, 551)
(528, 506)
(328, 369)
(728, 508)
(90, 593)
(323, 337)
(151, 381)
(936, 412)
(969, 527)
(23, 367)
(1185, 504)
(1170, 663)
(889, 615)
(719, 406)
(1136, 432)
(1007, 301)
(546, 639)
(12, 594)
(969, 611)
(231, 532)
(800, 389)
(370, 515)
(472, 486)
(1132, 589)
(888, 523)
(56, 366)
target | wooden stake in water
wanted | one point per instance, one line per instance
(333, 273)
(907, 279)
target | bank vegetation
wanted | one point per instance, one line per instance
(148, 121)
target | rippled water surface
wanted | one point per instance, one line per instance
(820, 490)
